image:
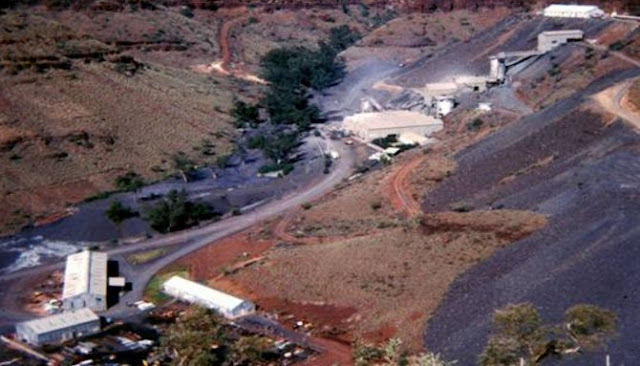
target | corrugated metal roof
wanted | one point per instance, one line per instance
(60, 321)
(86, 272)
(224, 301)
(569, 8)
(390, 119)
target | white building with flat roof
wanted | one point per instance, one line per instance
(192, 292)
(370, 126)
(59, 328)
(572, 11)
(85, 281)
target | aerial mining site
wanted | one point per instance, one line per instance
(320, 183)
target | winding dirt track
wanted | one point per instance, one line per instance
(401, 195)
(223, 40)
(611, 100)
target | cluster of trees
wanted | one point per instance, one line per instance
(391, 354)
(201, 338)
(292, 73)
(173, 213)
(176, 212)
(521, 337)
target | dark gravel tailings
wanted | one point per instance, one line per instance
(589, 252)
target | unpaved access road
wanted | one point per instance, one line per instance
(611, 101)
(190, 240)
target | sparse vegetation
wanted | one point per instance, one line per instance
(146, 256)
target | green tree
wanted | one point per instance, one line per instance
(340, 38)
(130, 181)
(117, 212)
(520, 335)
(245, 114)
(183, 165)
(195, 338)
(176, 212)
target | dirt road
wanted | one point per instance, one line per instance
(611, 101)
(401, 196)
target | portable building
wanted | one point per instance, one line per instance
(85, 281)
(59, 328)
(192, 292)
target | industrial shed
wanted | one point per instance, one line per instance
(370, 126)
(549, 40)
(85, 281)
(59, 328)
(229, 306)
(573, 11)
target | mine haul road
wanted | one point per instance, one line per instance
(188, 241)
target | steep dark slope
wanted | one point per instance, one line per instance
(563, 162)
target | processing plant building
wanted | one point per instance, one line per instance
(372, 125)
(85, 281)
(192, 292)
(58, 328)
(573, 11)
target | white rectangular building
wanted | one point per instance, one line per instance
(85, 281)
(373, 125)
(573, 11)
(192, 292)
(58, 328)
(549, 40)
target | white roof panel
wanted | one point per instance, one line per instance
(390, 119)
(196, 290)
(85, 272)
(61, 321)
(569, 8)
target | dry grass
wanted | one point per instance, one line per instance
(410, 37)
(394, 279)
(66, 134)
(633, 97)
(147, 256)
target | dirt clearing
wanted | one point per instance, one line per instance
(395, 279)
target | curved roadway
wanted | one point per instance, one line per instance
(193, 239)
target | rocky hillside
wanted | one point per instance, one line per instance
(405, 5)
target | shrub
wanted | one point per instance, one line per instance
(617, 45)
(186, 11)
(130, 181)
(245, 114)
(475, 124)
(117, 212)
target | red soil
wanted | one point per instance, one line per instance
(211, 261)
